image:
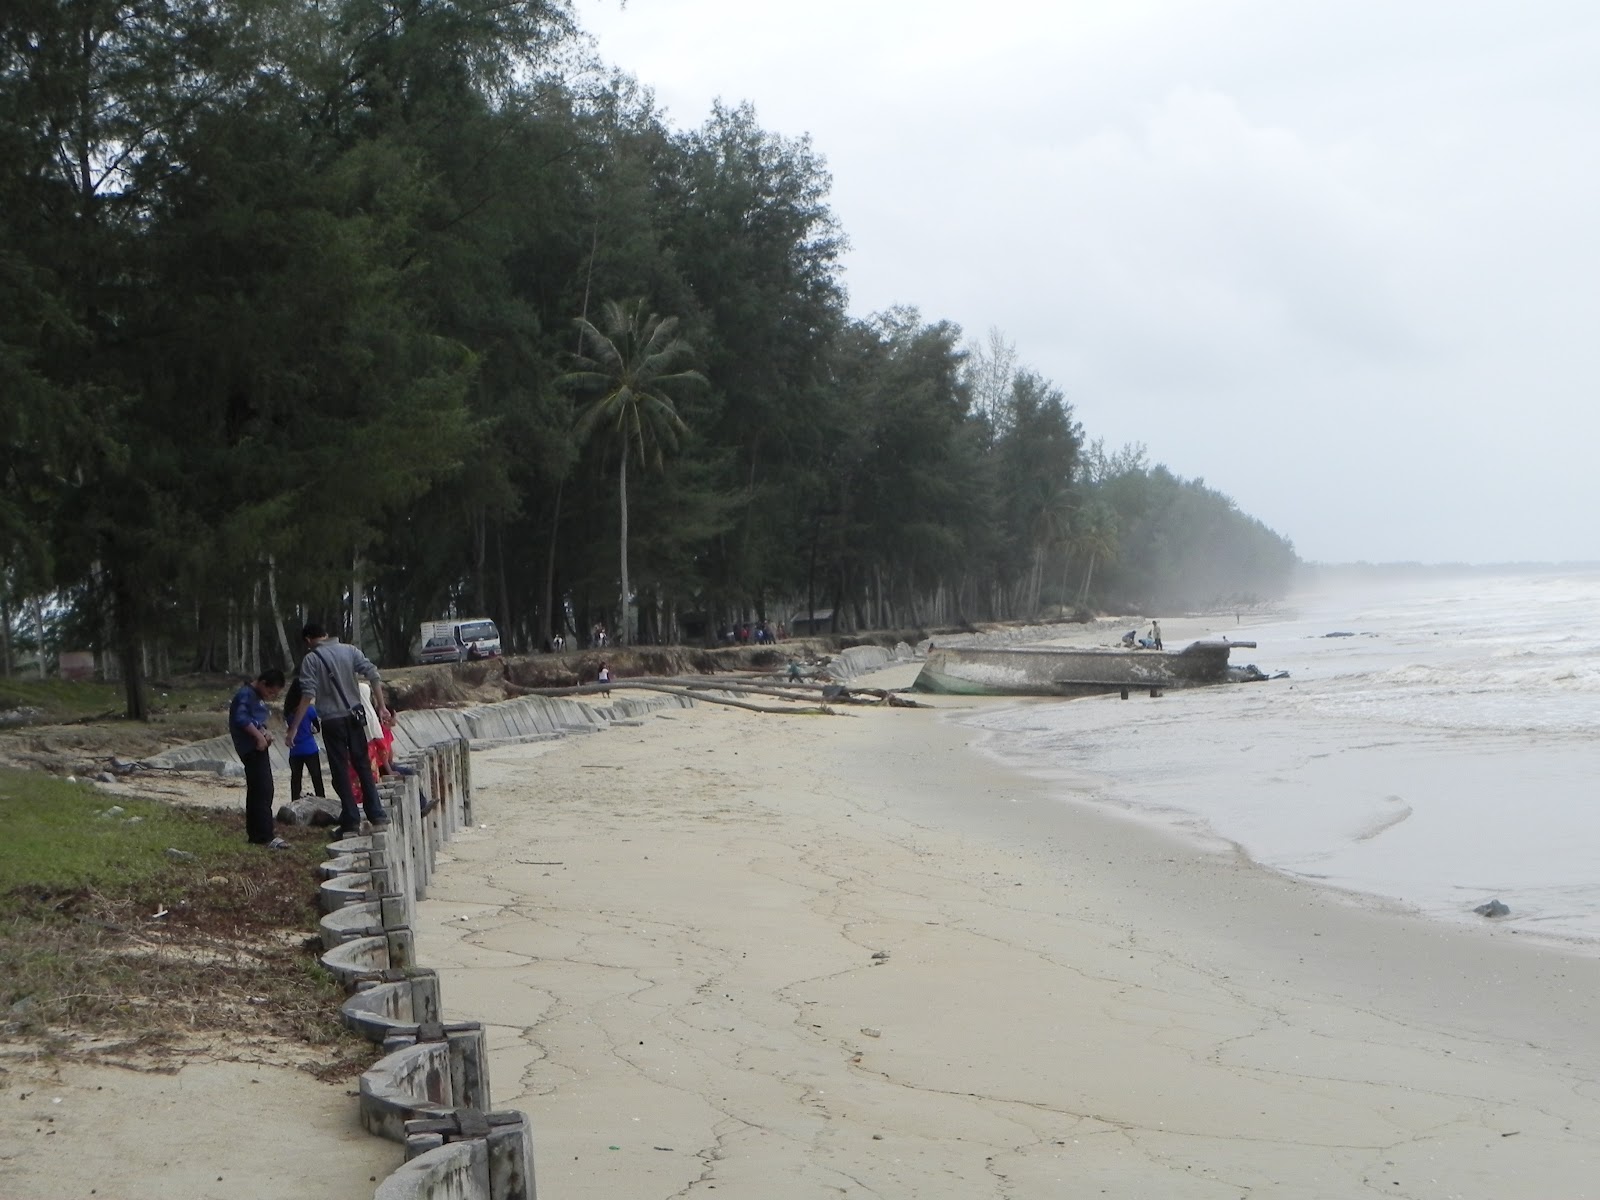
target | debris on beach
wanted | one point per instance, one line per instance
(1493, 909)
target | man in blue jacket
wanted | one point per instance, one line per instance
(247, 723)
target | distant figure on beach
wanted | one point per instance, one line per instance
(794, 671)
(1155, 634)
(604, 679)
(1131, 638)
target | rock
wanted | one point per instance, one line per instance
(177, 855)
(231, 770)
(310, 810)
(1492, 909)
(116, 810)
(105, 777)
(871, 1032)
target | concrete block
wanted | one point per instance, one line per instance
(457, 1171)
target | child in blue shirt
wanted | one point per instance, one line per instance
(304, 756)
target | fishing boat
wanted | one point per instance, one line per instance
(1064, 671)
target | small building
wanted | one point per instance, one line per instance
(77, 665)
(819, 621)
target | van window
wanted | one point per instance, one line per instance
(478, 631)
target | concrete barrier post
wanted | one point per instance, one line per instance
(402, 948)
(469, 1065)
(511, 1161)
(505, 1138)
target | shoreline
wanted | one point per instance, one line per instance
(671, 932)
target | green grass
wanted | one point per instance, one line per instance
(59, 836)
(66, 700)
(103, 935)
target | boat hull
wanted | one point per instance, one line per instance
(1070, 672)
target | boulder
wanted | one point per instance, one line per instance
(310, 810)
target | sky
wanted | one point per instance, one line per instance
(1338, 258)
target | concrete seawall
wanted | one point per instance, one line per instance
(430, 1092)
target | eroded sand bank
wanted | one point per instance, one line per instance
(799, 957)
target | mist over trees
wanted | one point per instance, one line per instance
(296, 305)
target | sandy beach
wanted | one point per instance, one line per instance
(797, 957)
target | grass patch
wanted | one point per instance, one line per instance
(61, 835)
(62, 700)
(104, 935)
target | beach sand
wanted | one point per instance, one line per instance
(813, 956)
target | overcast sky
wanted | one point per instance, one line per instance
(1339, 258)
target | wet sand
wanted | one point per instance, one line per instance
(796, 957)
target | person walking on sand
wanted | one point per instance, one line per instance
(248, 714)
(603, 678)
(328, 679)
(305, 757)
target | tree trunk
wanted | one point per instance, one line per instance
(255, 631)
(811, 577)
(1088, 577)
(277, 614)
(356, 588)
(505, 597)
(622, 491)
(129, 651)
(548, 623)
(480, 537)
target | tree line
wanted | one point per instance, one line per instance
(377, 311)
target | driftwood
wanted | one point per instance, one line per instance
(693, 687)
(799, 690)
(590, 689)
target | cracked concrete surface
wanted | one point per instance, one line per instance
(671, 931)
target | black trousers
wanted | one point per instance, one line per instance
(301, 764)
(257, 796)
(346, 742)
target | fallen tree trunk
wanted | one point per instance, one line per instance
(688, 691)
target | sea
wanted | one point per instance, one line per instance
(1435, 746)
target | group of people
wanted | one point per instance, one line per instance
(339, 693)
(1151, 641)
(597, 637)
(760, 633)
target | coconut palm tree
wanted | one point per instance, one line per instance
(628, 370)
(1095, 535)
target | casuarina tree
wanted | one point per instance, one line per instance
(629, 373)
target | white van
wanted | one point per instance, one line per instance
(458, 641)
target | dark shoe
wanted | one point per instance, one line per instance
(428, 805)
(381, 821)
(402, 769)
(346, 831)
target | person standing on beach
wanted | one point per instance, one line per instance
(304, 755)
(328, 679)
(604, 678)
(1155, 632)
(248, 714)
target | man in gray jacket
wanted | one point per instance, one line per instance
(328, 680)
